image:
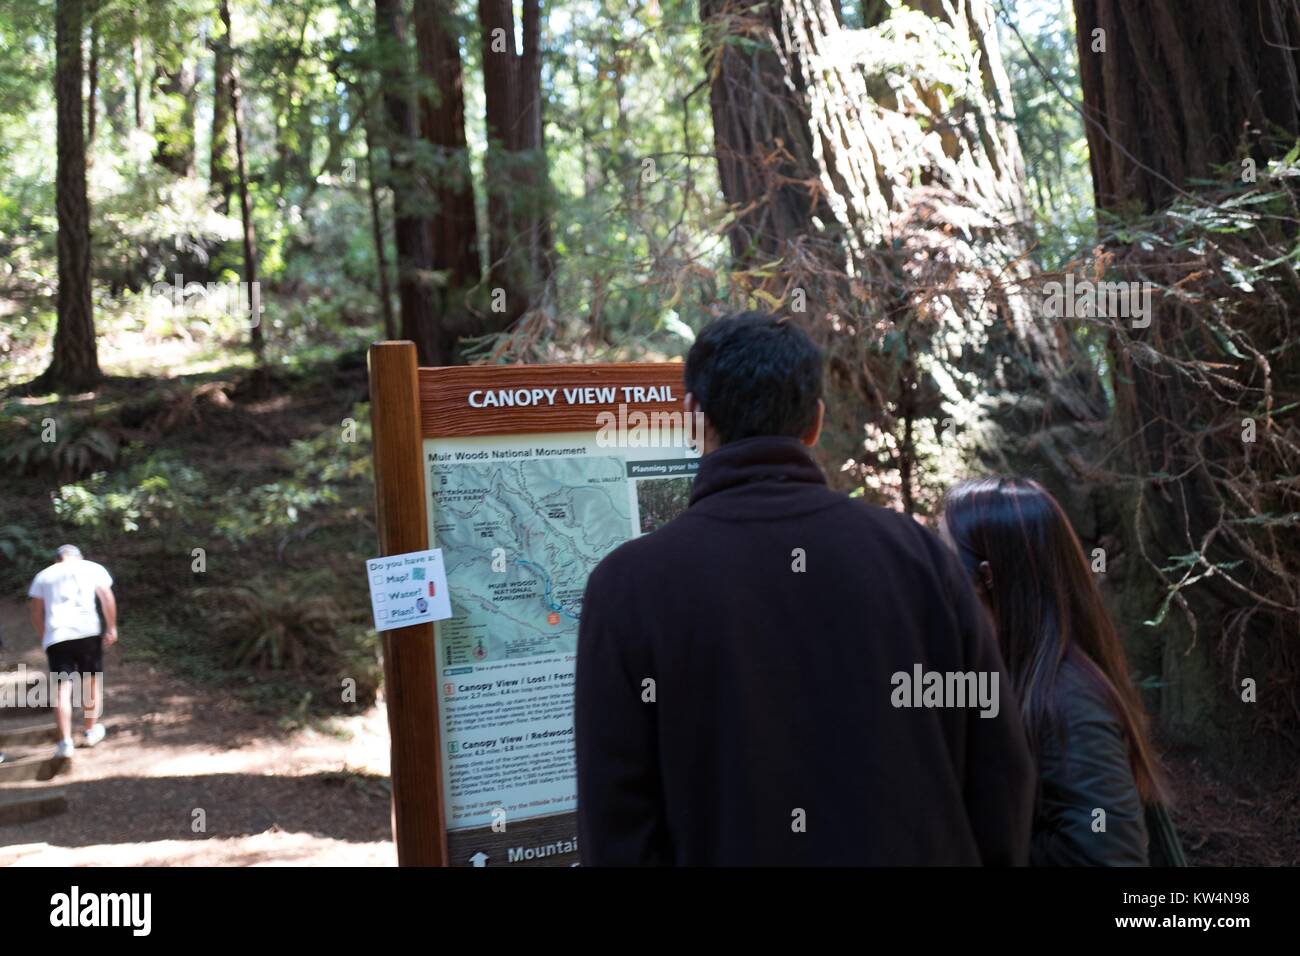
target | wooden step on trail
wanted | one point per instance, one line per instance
(22, 805)
(21, 676)
(11, 714)
(32, 768)
(14, 687)
(28, 732)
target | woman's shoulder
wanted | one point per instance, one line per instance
(1083, 695)
(1084, 768)
(1081, 714)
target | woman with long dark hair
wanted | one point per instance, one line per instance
(1098, 776)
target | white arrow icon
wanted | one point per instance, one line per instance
(479, 859)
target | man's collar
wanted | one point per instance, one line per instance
(755, 459)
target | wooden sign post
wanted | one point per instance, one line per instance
(410, 664)
(525, 477)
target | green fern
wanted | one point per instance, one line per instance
(277, 629)
(73, 456)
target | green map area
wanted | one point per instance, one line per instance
(519, 540)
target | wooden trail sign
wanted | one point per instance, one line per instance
(525, 476)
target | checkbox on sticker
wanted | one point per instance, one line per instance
(383, 614)
(381, 598)
(377, 578)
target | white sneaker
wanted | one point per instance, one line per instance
(94, 735)
(64, 750)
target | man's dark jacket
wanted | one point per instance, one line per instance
(733, 710)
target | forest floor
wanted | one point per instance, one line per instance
(267, 796)
(1227, 818)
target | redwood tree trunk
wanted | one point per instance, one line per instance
(414, 255)
(256, 337)
(453, 228)
(220, 174)
(1176, 93)
(761, 131)
(518, 202)
(75, 364)
(92, 81)
(137, 67)
(377, 233)
(888, 220)
(1178, 106)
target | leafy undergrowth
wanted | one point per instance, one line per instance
(233, 519)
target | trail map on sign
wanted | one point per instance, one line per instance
(522, 521)
(520, 539)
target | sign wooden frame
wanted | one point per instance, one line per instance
(409, 404)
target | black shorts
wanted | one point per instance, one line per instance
(85, 655)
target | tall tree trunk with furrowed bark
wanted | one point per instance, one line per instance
(220, 173)
(452, 223)
(75, 363)
(92, 79)
(516, 173)
(137, 67)
(419, 319)
(1183, 104)
(877, 196)
(382, 290)
(256, 337)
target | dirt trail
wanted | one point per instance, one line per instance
(268, 797)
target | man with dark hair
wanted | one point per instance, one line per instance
(738, 695)
(735, 354)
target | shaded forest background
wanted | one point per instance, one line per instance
(593, 181)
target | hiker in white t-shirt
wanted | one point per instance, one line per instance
(64, 613)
